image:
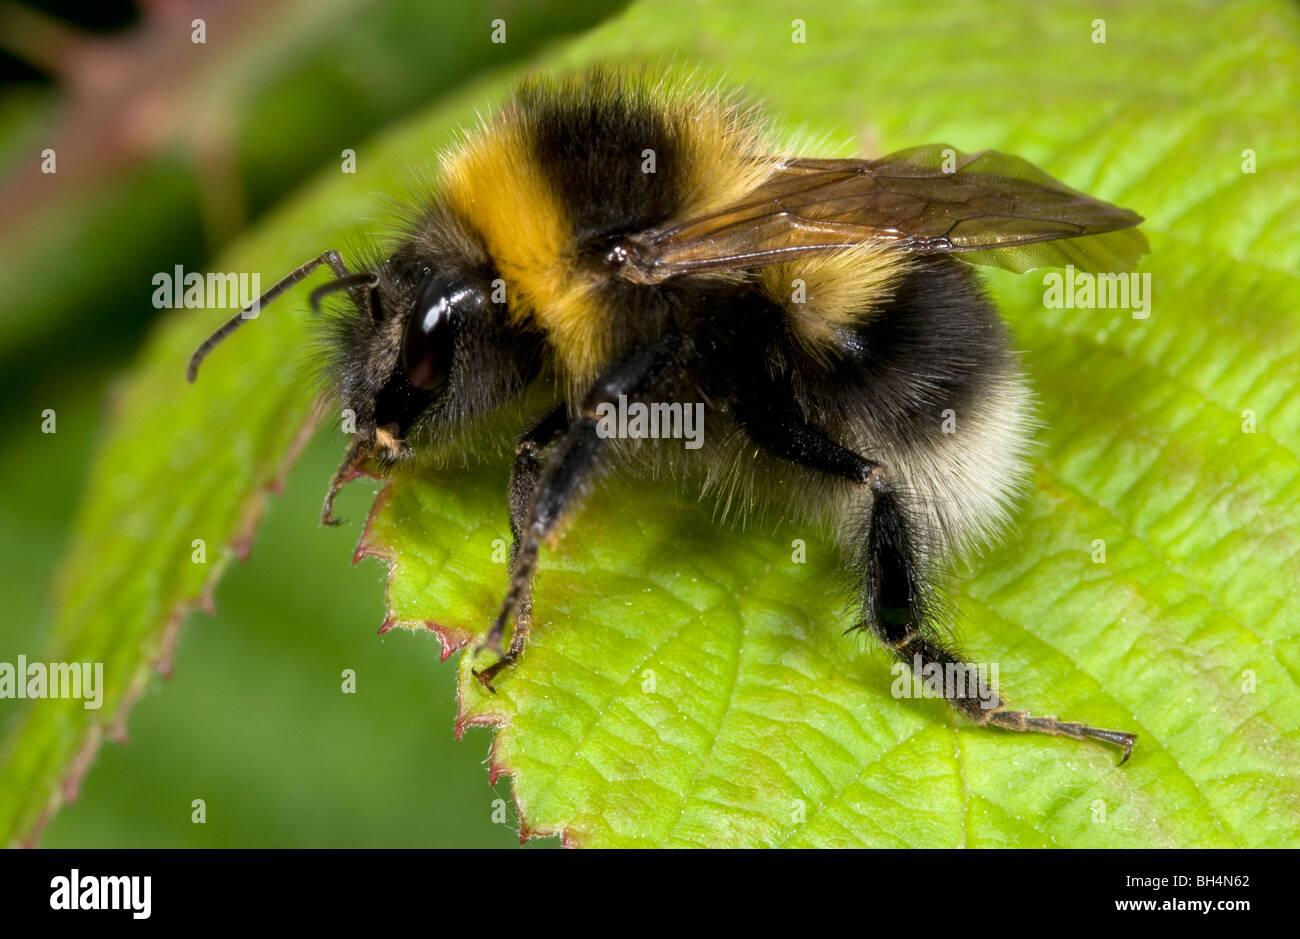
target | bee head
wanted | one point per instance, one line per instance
(425, 344)
(400, 354)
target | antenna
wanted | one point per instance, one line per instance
(330, 257)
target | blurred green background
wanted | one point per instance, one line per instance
(253, 722)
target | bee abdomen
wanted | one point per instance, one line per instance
(935, 394)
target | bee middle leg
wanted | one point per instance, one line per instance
(895, 597)
(568, 467)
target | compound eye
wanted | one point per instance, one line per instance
(430, 338)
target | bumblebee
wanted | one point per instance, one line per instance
(606, 239)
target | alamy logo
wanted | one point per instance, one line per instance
(946, 680)
(1085, 291)
(104, 892)
(53, 680)
(636, 420)
(193, 291)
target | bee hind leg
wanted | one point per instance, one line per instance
(897, 598)
(896, 608)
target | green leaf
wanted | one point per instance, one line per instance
(688, 684)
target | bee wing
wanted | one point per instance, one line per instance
(986, 208)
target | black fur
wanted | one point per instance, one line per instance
(932, 345)
(590, 140)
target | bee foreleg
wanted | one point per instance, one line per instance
(524, 475)
(637, 375)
